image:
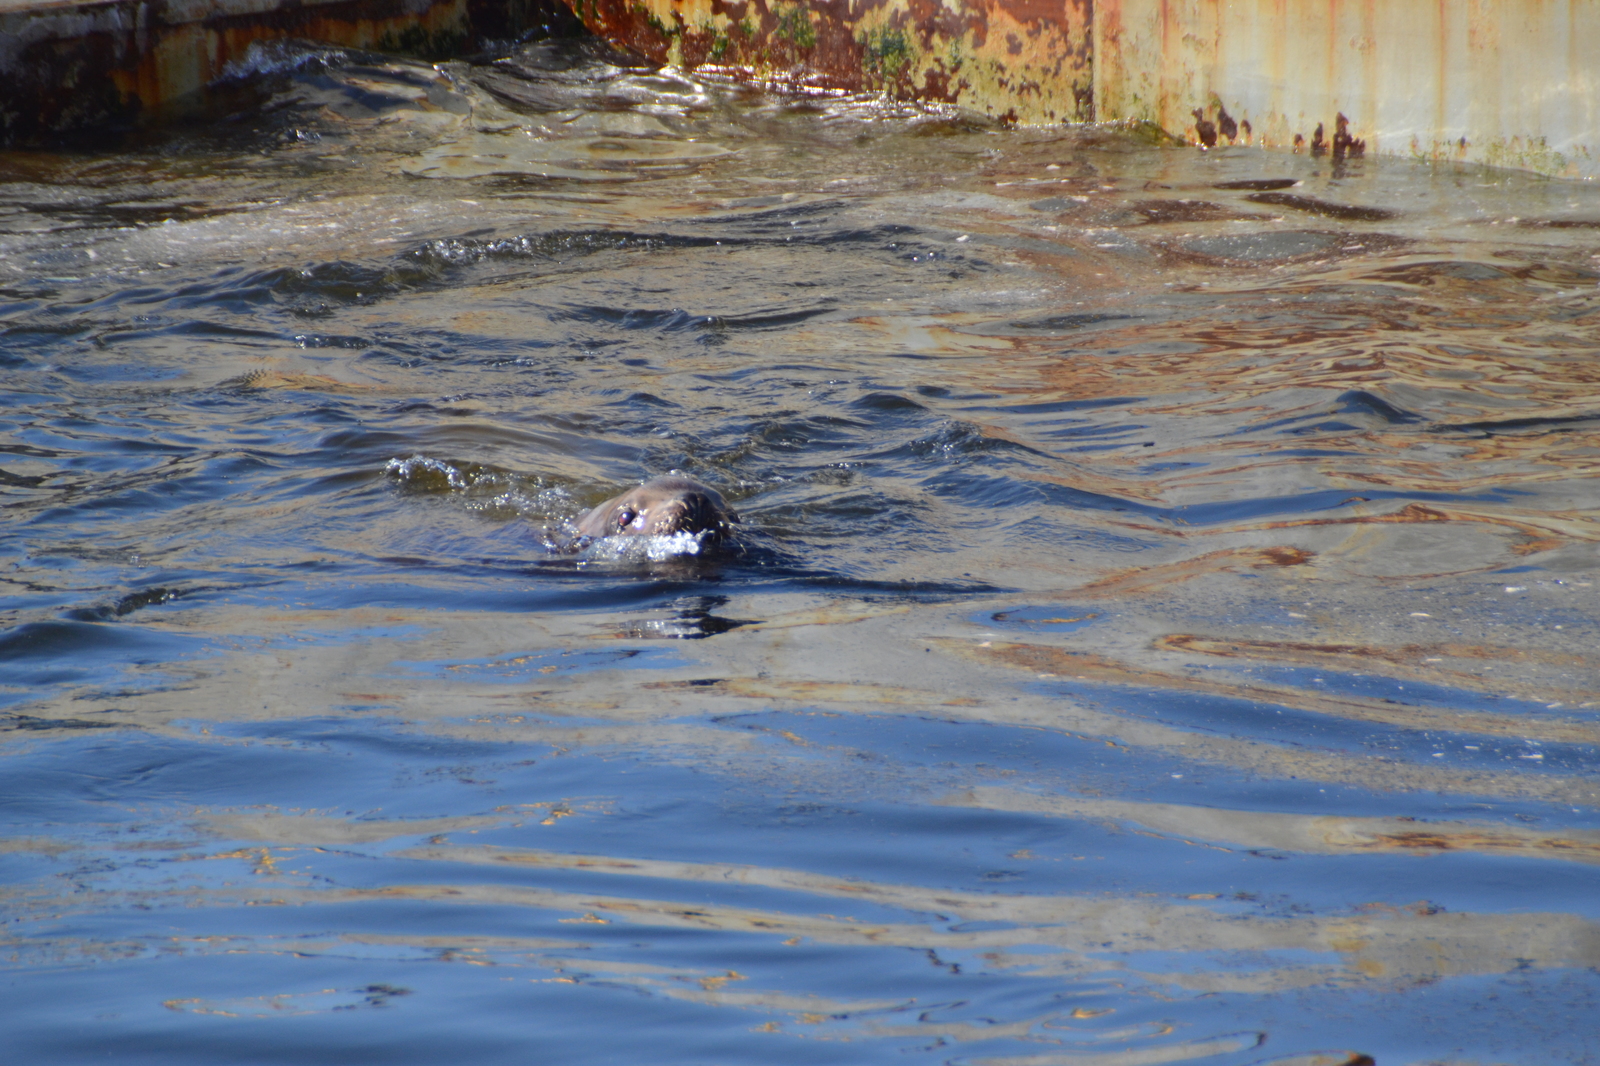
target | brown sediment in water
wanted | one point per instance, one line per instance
(1145, 580)
(1411, 655)
(1056, 662)
(1314, 834)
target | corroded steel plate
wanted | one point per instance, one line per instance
(1026, 61)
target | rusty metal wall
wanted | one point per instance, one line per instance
(1018, 60)
(1506, 82)
(1511, 83)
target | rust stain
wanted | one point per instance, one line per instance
(1338, 79)
(1014, 60)
(1344, 144)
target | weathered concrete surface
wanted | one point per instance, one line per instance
(70, 65)
(1505, 82)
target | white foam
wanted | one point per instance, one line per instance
(644, 548)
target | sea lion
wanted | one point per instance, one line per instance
(661, 506)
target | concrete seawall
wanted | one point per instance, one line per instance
(1511, 83)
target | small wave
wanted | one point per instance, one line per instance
(466, 251)
(425, 473)
(267, 59)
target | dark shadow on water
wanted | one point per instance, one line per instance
(692, 618)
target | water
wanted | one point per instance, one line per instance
(1161, 629)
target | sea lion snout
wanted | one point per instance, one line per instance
(660, 507)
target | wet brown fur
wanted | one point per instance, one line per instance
(660, 507)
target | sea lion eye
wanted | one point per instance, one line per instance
(625, 518)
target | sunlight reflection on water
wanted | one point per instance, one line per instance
(1161, 628)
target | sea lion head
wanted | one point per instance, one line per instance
(660, 507)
